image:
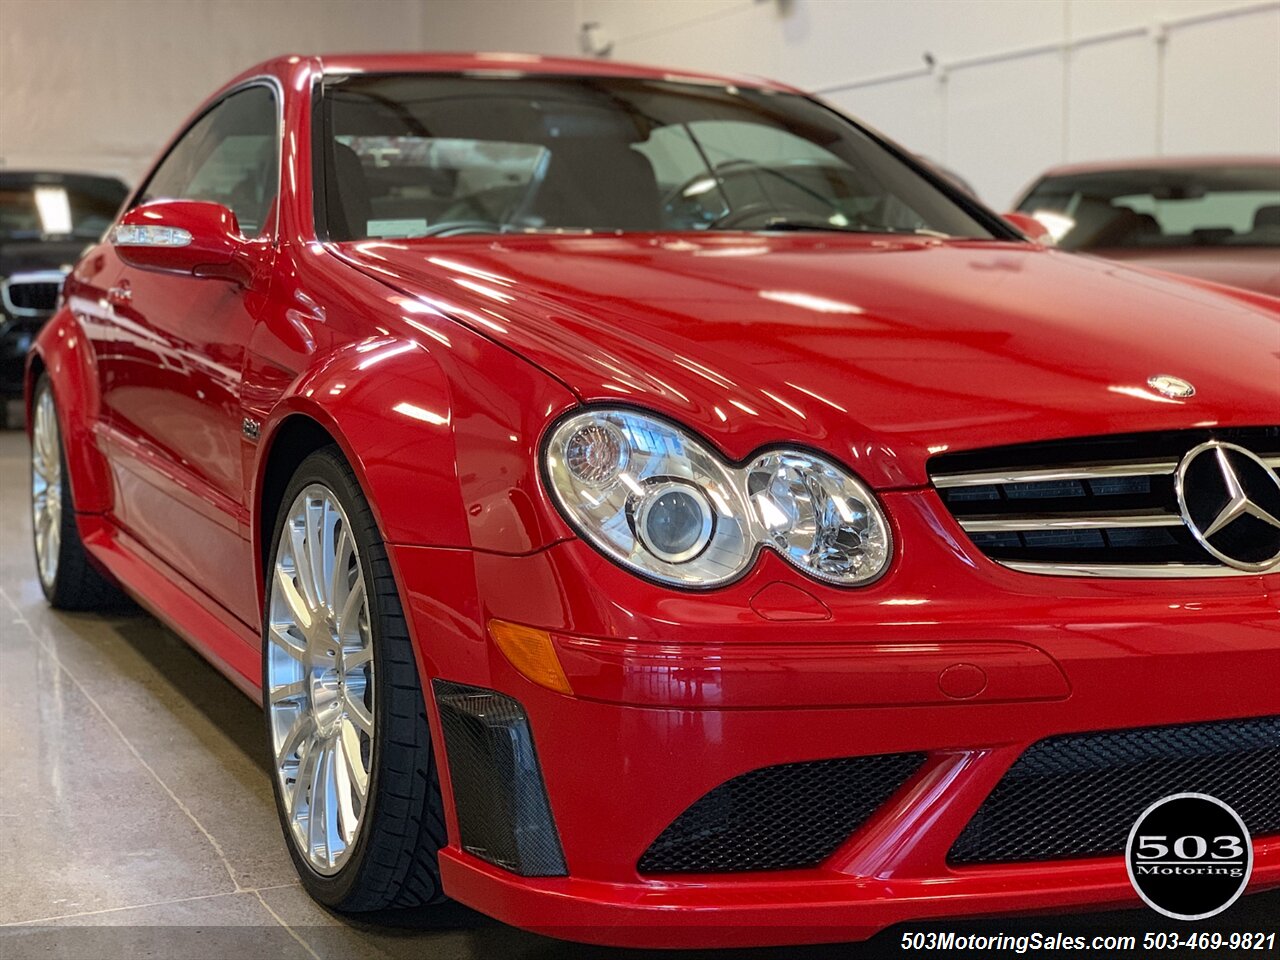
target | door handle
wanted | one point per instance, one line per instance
(118, 296)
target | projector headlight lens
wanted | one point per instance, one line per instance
(674, 521)
(660, 501)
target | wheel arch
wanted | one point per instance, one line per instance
(295, 438)
(403, 466)
(61, 351)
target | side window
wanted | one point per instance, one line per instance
(229, 156)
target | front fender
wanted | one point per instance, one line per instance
(62, 351)
(444, 441)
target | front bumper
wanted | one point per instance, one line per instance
(949, 655)
(784, 911)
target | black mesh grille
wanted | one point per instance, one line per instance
(778, 818)
(503, 813)
(1079, 795)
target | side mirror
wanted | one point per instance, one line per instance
(190, 237)
(1030, 227)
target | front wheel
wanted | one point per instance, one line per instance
(354, 776)
(68, 579)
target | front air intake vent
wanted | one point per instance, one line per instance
(1104, 506)
(503, 813)
(779, 818)
(1080, 794)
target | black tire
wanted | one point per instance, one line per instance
(393, 862)
(76, 583)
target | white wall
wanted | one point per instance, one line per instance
(1021, 84)
(101, 84)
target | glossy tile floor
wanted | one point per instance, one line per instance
(136, 815)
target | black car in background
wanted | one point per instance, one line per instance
(46, 220)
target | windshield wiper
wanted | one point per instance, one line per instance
(782, 223)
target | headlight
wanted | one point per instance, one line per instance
(651, 497)
(660, 501)
(818, 517)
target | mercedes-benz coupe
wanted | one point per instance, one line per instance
(653, 508)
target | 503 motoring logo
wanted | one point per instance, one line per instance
(1189, 856)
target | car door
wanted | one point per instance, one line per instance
(170, 356)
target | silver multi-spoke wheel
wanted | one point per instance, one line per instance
(46, 487)
(319, 675)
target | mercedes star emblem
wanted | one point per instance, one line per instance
(1230, 501)
(1173, 387)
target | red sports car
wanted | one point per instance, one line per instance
(1217, 218)
(653, 509)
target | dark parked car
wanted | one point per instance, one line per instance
(1215, 218)
(46, 219)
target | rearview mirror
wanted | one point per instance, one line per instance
(1030, 227)
(190, 237)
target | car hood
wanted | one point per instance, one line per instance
(880, 351)
(1253, 268)
(20, 256)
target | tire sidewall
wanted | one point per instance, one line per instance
(68, 515)
(323, 468)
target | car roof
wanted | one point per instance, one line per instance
(26, 178)
(1163, 163)
(507, 64)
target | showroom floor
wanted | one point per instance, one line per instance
(134, 800)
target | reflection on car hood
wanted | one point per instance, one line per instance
(882, 351)
(1254, 268)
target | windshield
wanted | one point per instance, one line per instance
(423, 155)
(1160, 209)
(39, 210)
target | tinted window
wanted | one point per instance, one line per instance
(405, 156)
(49, 206)
(1212, 206)
(229, 156)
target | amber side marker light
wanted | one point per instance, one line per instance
(532, 653)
